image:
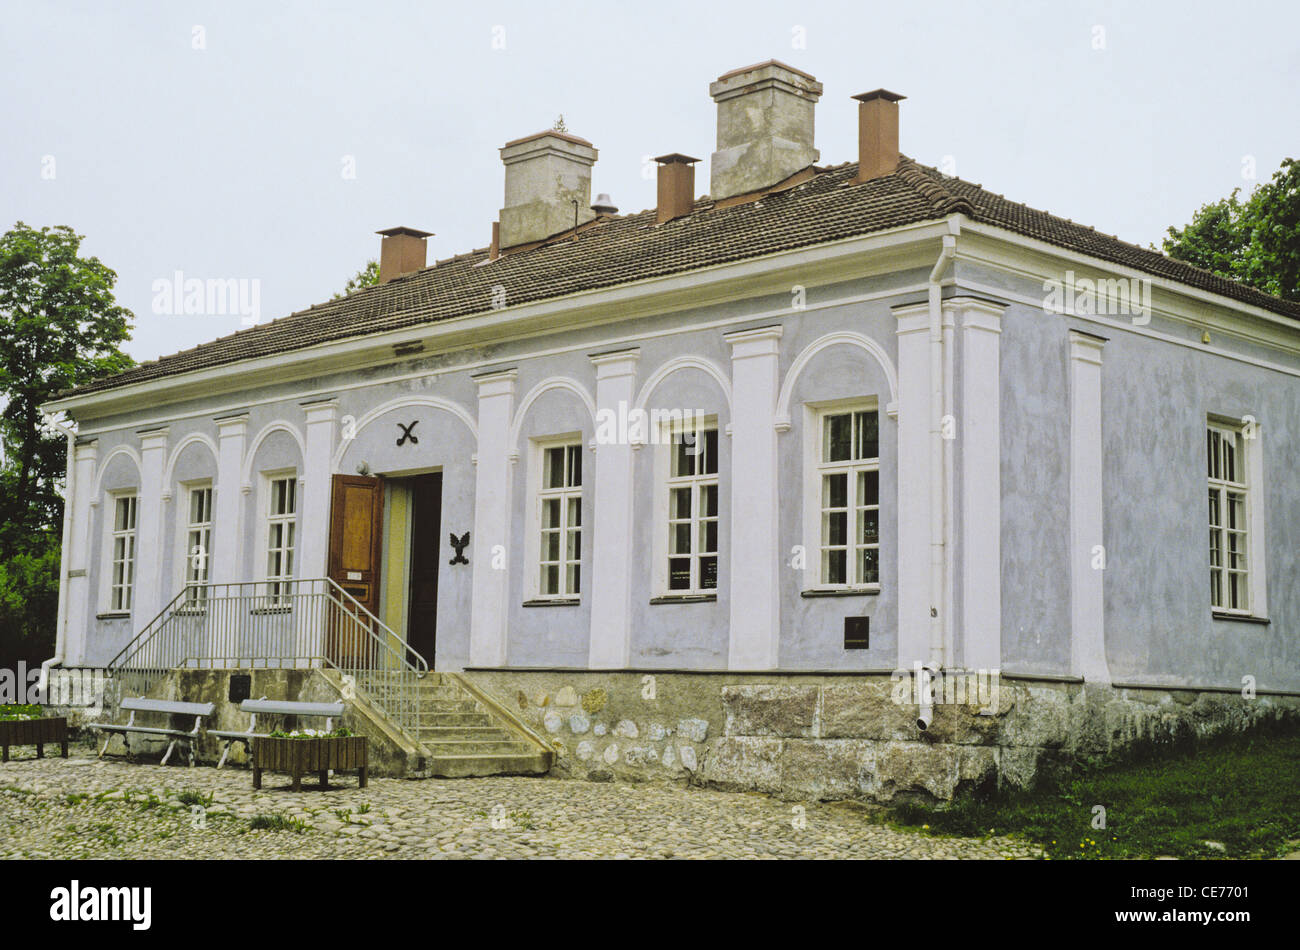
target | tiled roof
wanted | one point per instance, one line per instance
(828, 207)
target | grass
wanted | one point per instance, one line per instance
(19, 711)
(192, 798)
(1238, 791)
(277, 822)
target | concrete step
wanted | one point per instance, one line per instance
(456, 719)
(464, 733)
(440, 748)
(441, 691)
(436, 707)
(463, 766)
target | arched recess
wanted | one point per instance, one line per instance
(845, 338)
(403, 402)
(270, 427)
(708, 367)
(126, 450)
(564, 383)
(190, 439)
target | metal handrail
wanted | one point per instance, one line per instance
(291, 624)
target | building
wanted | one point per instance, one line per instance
(731, 462)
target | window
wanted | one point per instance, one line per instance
(848, 472)
(281, 522)
(198, 545)
(1229, 537)
(560, 500)
(693, 512)
(122, 577)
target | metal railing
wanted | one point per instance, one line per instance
(297, 624)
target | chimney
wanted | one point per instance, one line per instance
(877, 134)
(545, 174)
(765, 127)
(676, 187)
(401, 252)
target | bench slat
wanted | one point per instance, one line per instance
(141, 704)
(281, 708)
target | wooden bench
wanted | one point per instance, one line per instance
(273, 707)
(135, 704)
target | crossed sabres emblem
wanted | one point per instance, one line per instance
(407, 434)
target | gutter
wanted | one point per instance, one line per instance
(70, 494)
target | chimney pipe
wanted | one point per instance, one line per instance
(877, 134)
(676, 187)
(401, 252)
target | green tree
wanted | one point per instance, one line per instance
(368, 276)
(60, 327)
(1255, 241)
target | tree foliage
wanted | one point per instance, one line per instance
(368, 276)
(60, 327)
(1255, 240)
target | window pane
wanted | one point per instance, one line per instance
(837, 438)
(868, 527)
(837, 527)
(869, 566)
(575, 578)
(833, 567)
(709, 501)
(575, 512)
(575, 465)
(679, 539)
(835, 491)
(550, 546)
(683, 456)
(1229, 459)
(1212, 453)
(550, 579)
(679, 505)
(868, 488)
(709, 462)
(573, 551)
(868, 436)
(553, 468)
(709, 536)
(679, 573)
(709, 573)
(550, 512)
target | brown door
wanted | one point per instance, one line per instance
(356, 535)
(426, 534)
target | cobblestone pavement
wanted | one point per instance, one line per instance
(86, 808)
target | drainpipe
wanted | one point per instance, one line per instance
(939, 608)
(70, 493)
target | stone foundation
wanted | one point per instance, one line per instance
(811, 736)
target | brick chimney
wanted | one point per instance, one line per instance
(676, 187)
(402, 251)
(765, 127)
(545, 174)
(877, 134)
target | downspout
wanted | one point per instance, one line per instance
(939, 518)
(69, 497)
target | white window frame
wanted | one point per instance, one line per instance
(665, 484)
(815, 470)
(190, 576)
(278, 586)
(1248, 481)
(113, 604)
(538, 494)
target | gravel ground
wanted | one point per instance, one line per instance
(82, 807)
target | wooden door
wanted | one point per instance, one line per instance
(426, 535)
(356, 546)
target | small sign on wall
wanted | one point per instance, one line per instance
(354, 575)
(856, 631)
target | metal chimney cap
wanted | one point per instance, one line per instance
(603, 204)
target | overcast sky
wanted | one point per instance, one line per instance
(216, 139)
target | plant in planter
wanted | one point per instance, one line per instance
(308, 750)
(25, 724)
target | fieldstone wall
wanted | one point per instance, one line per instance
(830, 737)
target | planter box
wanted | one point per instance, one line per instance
(297, 756)
(35, 732)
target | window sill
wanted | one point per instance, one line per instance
(1239, 618)
(684, 599)
(553, 602)
(114, 615)
(841, 592)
